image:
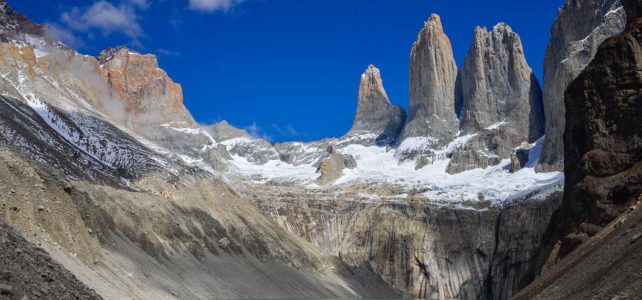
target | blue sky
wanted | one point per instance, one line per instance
(285, 69)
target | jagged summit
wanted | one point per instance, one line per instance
(433, 77)
(375, 114)
(434, 21)
(502, 100)
(498, 84)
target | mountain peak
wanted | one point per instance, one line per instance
(435, 21)
(375, 114)
(433, 74)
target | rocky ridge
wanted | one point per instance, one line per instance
(173, 200)
(580, 27)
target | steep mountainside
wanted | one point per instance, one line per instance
(433, 77)
(103, 166)
(603, 142)
(580, 27)
(603, 157)
(375, 115)
(502, 100)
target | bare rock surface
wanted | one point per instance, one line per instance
(603, 137)
(424, 250)
(27, 271)
(593, 249)
(223, 131)
(433, 81)
(332, 168)
(375, 115)
(580, 27)
(502, 100)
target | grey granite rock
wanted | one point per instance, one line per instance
(375, 114)
(332, 168)
(433, 77)
(580, 27)
(426, 251)
(501, 100)
(217, 156)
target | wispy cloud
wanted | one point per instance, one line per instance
(143, 4)
(287, 130)
(213, 5)
(167, 52)
(104, 17)
(64, 35)
(256, 131)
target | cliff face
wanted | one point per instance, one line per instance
(375, 115)
(603, 136)
(589, 252)
(502, 102)
(580, 27)
(433, 77)
(152, 98)
(423, 250)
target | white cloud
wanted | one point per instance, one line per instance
(213, 5)
(258, 132)
(143, 4)
(64, 35)
(105, 17)
(167, 52)
(288, 130)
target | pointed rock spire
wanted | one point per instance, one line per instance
(580, 27)
(433, 77)
(375, 114)
(502, 100)
(499, 86)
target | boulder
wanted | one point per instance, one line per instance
(332, 168)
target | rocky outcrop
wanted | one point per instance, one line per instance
(502, 100)
(152, 98)
(375, 115)
(217, 156)
(332, 168)
(433, 81)
(519, 157)
(223, 131)
(580, 27)
(426, 251)
(603, 137)
(15, 27)
(143, 98)
(588, 250)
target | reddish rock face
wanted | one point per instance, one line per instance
(152, 97)
(433, 77)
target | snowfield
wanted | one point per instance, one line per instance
(375, 165)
